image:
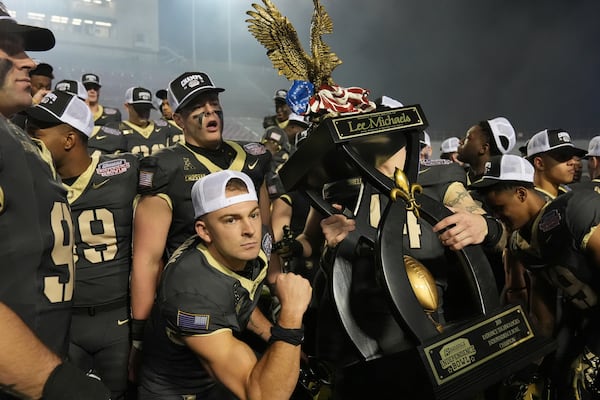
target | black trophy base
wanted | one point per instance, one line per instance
(457, 365)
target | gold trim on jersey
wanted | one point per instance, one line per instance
(145, 132)
(586, 238)
(250, 285)
(237, 164)
(98, 113)
(173, 123)
(95, 130)
(81, 183)
(544, 192)
(45, 155)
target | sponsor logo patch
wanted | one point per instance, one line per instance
(549, 221)
(113, 167)
(110, 131)
(255, 149)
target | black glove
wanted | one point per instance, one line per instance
(68, 382)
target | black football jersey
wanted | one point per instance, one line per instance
(102, 207)
(176, 132)
(107, 140)
(593, 184)
(172, 171)
(106, 115)
(145, 141)
(37, 238)
(562, 233)
(196, 296)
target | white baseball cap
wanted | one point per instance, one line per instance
(73, 87)
(507, 167)
(552, 139)
(593, 147)
(450, 145)
(424, 139)
(209, 194)
(64, 108)
(504, 134)
(139, 95)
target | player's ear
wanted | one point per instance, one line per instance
(521, 193)
(202, 231)
(70, 139)
(178, 118)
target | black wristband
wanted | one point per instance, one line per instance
(292, 336)
(137, 329)
(495, 230)
(67, 382)
(296, 249)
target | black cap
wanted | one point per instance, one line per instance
(280, 95)
(34, 38)
(187, 87)
(42, 69)
(161, 94)
(90, 79)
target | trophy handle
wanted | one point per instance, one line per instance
(389, 253)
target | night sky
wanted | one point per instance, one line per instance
(535, 62)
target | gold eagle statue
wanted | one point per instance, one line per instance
(276, 33)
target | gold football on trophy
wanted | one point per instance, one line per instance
(423, 284)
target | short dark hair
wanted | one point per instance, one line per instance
(487, 130)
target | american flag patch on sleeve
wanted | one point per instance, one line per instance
(145, 179)
(192, 321)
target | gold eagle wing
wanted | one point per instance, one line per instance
(324, 59)
(276, 33)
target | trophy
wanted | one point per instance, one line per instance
(441, 332)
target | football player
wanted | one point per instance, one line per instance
(564, 244)
(553, 156)
(140, 134)
(37, 274)
(101, 191)
(208, 295)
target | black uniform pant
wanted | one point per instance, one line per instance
(100, 343)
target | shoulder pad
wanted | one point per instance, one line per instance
(440, 173)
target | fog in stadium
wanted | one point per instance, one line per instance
(535, 62)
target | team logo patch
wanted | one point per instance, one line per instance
(113, 167)
(192, 321)
(145, 179)
(110, 111)
(267, 244)
(255, 149)
(549, 221)
(160, 122)
(111, 131)
(431, 163)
